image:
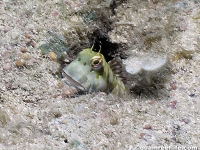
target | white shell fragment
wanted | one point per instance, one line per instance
(135, 65)
(154, 63)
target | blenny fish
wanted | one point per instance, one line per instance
(90, 72)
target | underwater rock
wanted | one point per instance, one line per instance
(55, 43)
(89, 16)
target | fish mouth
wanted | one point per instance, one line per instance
(73, 82)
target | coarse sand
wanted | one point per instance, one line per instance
(35, 112)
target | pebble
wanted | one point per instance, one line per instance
(67, 92)
(7, 67)
(60, 85)
(142, 135)
(34, 61)
(147, 126)
(152, 102)
(20, 62)
(186, 120)
(32, 43)
(183, 27)
(27, 35)
(172, 104)
(173, 85)
(52, 56)
(23, 49)
(26, 56)
(107, 132)
(55, 13)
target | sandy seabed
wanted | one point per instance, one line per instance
(34, 114)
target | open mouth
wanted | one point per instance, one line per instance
(73, 82)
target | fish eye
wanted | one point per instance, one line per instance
(96, 63)
(84, 63)
(79, 59)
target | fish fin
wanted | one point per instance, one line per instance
(118, 68)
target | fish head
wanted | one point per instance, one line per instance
(83, 72)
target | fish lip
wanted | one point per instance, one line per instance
(73, 82)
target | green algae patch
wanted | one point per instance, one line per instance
(55, 43)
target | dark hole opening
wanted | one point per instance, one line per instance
(65, 140)
(100, 41)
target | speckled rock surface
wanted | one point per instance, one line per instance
(35, 110)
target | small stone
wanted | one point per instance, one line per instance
(55, 13)
(107, 132)
(147, 126)
(56, 114)
(183, 27)
(152, 102)
(5, 30)
(52, 56)
(30, 43)
(34, 60)
(192, 95)
(173, 85)
(185, 120)
(20, 62)
(68, 92)
(27, 35)
(172, 104)
(65, 93)
(7, 67)
(142, 135)
(26, 56)
(23, 49)
(173, 139)
(60, 85)
(55, 95)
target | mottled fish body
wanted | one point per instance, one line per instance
(90, 72)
